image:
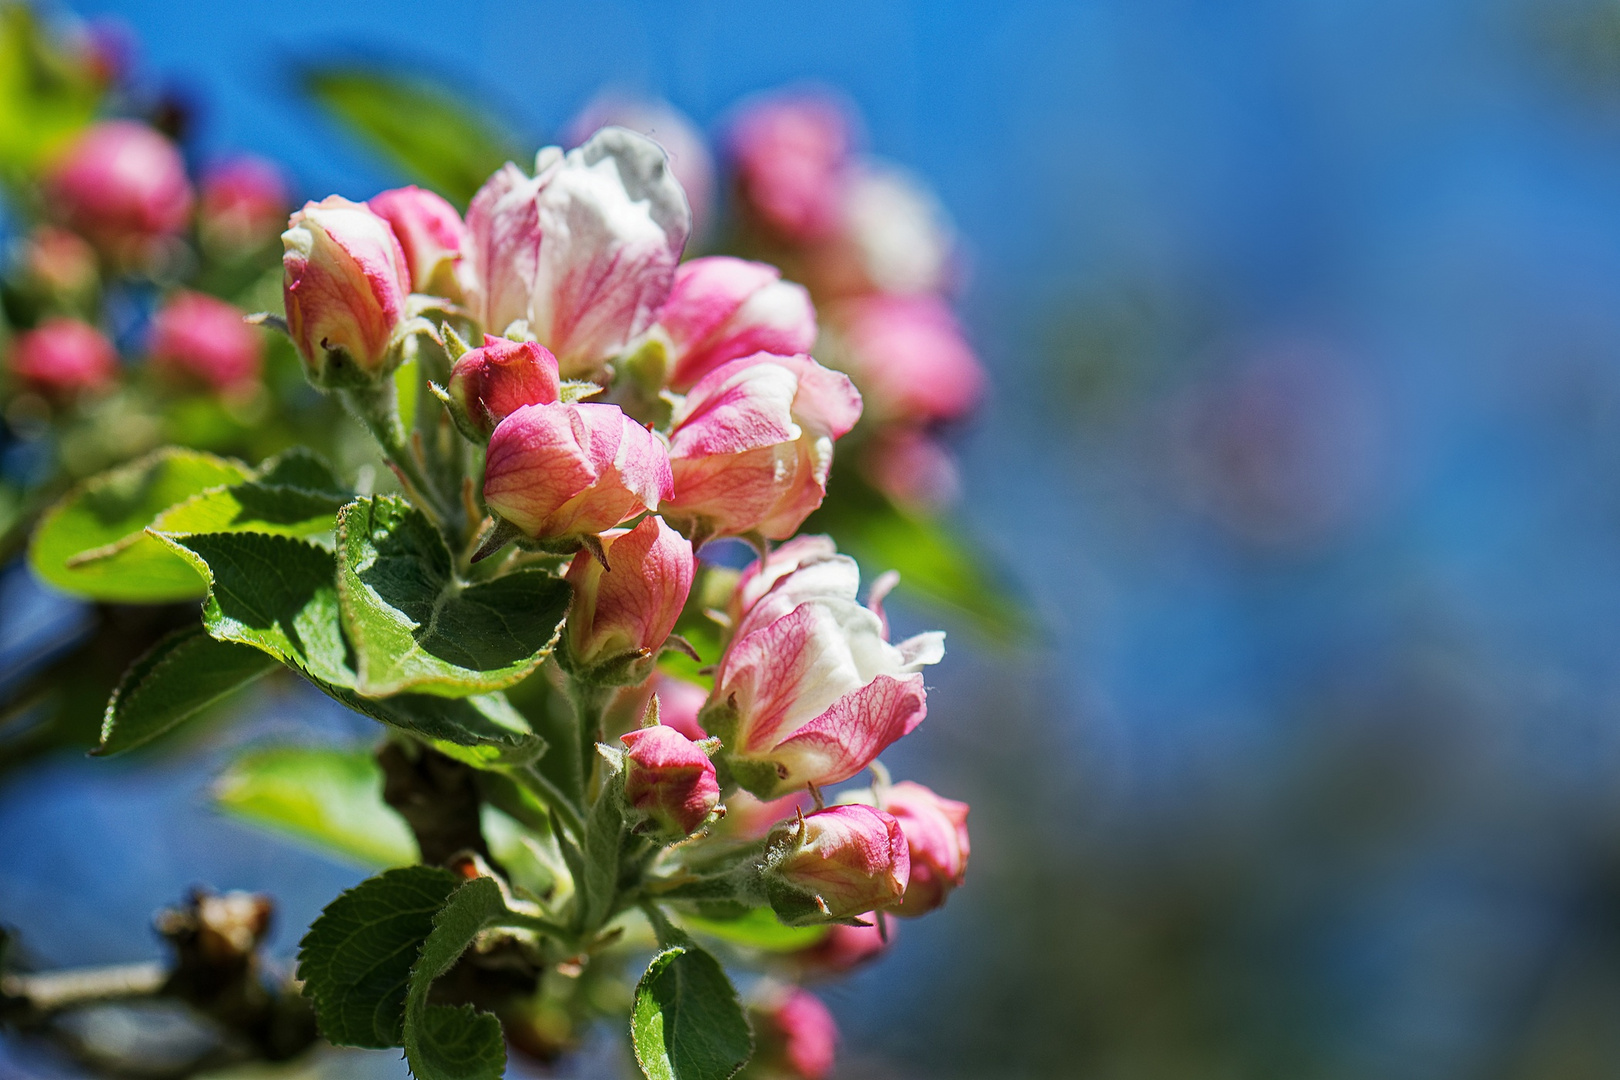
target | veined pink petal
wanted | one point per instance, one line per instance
(849, 736)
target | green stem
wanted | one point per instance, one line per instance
(537, 781)
(590, 702)
(377, 407)
(521, 921)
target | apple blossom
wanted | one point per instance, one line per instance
(810, 691)
(123, 186)
(751, 446)
(431, 234)
(622, 613)
(835, 864)
(344, 282)
(912, 467)
(668, 780)
(493, 381)
(937, 838)
(63, 357)
(761, 575)
(203, 339)
(847, 947)
(910, 358)
(723, 308)
(791, 154)
(798, 1037)
(683, 143)
(563, 471)
(243, 203)
(584, 252)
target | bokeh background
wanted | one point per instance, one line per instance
(1304, 451)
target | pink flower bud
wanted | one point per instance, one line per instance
(797, 1037)
(123, 186)
(791, 156)
(848, 947)
(909, 357)
(914, 469)
(244, 202)
(63, 357)
(622, 615)
(492, 382)
(897, 231)
(563, 471)
(431, 234)
(836, 863)
(810, 690)
(723, 308)
(937, 837)
(584, 252)
(752, 444)
(344, 282)
(669, 779)
(204, 340)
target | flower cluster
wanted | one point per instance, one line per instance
(626, 409)
(121, 208)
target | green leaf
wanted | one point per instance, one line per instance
(305, 470)
(687, 1023)
(758, 929)
(93, 543)
(454, 1043)
(326, 796)
(277, 594)
(357, 957)
(293, 494)
(434, 137)
(415, 627)
(180, 676)
(604, 840)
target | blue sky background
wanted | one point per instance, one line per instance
(1304, 322)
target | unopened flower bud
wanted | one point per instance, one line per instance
(836, 863)
(584, 252)
(846, 947)
(243, 205)
(345, 281)
(62, 358)
(797, 1037)
(669, 780)
(752, 444)
(937, 838)
(910, 358)
(622, 614)
(562, 471)
(431, 234)
(792, 156)
(200, 339)
(723, 308)
(490, 383)
(123, 186)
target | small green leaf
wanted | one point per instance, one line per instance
(687, 1023)
(429, 133)
(277, 594)
(604, 840)
(758, 929)
(329, 797)
(415, 627)
(357, 957)
(180, 676)
(93, 543)
(441, 1042)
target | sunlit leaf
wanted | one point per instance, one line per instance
(180, 676)
(687, 1023)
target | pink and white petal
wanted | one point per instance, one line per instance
(851, 734)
